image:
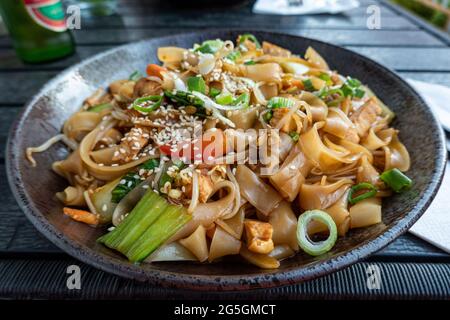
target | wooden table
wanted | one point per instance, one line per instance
(32, 267)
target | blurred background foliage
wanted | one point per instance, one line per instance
(436, 12)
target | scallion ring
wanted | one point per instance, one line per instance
(243, 100)
(267, 116)
(305, 242)
(371, 192)
(280, 102)
(225, 98)
(294, 135)
(214, 92)
(209, 46)
(147, 104)
(135, 76)
(307, 83)
(396, 180)
(250, 37)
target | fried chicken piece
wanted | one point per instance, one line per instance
(365, 116)
(274, 50)
(259, 236)
(146, 87)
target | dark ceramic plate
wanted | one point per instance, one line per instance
(34, 188)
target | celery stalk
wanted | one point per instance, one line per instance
(159, 232)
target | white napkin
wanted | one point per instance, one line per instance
(437, 97)
(281, 7)
(434, 225)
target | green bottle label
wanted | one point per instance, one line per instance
(47, 13)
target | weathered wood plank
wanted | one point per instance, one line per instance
(131, 9)
(118, 36)
(201, 3)
(442, 78)
(408, 59)
(19, 87)
(340, 37)
(7, 116)
(399, 58)
(244, 21)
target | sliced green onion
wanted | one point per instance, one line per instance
(233, 56)
(249, 62)
(347, 90)
(279, 102)
(303, 239)
(130, 180)
(326, 77)
(135, 76)
(196, 84)
(243, 100)
(147, 104)
(225, 98)
(214, 92)
(396, 180)
(352, 82)
(336, 102)
(100, 107)
(209, 46)
(294, 135)
(371, 192)
(267, 116)
(359, 93)
(250, 37)
(308, 85)
(351, 88)
(328, 92)
(184, 98)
